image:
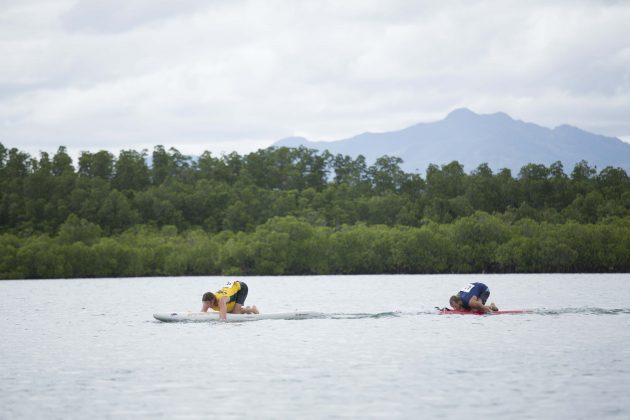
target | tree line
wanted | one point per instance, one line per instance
(299, 211)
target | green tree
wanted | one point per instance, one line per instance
(386, 175)
(62, 162)
(100, 164)
(352, 172)
(75, 229)
(40, 258)
(9, 246)
(116, 214)
(131, 171)
(447, 181)
(613, 182)
(169, 165)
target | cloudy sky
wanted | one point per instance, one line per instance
(238, 75)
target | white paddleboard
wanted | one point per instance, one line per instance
(214, 316)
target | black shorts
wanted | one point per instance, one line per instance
(241, 295)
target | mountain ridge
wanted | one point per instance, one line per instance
(473, 139)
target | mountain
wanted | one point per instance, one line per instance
(473, 139)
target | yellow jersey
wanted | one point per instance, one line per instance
(230, 290)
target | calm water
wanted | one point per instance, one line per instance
(83, 349)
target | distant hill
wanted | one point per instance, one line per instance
(473, 139)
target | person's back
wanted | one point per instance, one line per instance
(230, 291)
(478, 290)
(473, 296)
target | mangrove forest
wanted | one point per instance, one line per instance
(281, 211)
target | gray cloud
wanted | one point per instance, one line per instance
(225, 76)
(114, 16)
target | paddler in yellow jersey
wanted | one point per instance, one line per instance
(230, 298)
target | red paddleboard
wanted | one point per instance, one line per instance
(447, 311)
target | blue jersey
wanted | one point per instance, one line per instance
(478, 290)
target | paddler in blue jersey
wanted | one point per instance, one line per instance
(473, 297)
(230, 298)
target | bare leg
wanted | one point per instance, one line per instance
(239, 309)
(249, 310)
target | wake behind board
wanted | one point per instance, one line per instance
(214, 316)
(454, 312)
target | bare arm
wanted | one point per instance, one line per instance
(476, 305)
(205, 306)
(223, 308)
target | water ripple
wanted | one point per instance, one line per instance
(583, 311)
(586, 310)
(362, 315)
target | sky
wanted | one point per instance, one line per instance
(237, 75)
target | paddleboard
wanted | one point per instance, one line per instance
(454, 312)
(214, 316)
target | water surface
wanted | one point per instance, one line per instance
(91, 349)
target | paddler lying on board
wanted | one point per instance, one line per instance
(230, 298)
(473, 297)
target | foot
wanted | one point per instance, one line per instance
(249, 310)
